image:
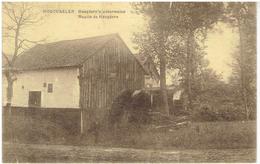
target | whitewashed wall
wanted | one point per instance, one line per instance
(65, 88)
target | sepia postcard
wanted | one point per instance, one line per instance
(146, 82)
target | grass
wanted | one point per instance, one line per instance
(29, 130)
(204, 135)
(31, 153)
(197, 135)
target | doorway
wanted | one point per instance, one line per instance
(34, 99)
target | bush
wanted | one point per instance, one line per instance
(228, 112)
(224, 112)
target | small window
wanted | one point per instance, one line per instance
(50, 88)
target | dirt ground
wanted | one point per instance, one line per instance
(61, 153)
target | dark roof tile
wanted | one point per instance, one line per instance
(62, 53)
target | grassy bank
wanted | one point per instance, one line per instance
(197, 135)
(204, 135)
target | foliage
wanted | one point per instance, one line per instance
(180, 30)
(155, 40)
(235, 99)
(185, 30)
(221, 112)
(242, 17)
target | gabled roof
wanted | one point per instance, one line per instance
(66, 53)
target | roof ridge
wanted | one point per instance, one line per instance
(66, 52)
(62, 53)
(91, 37)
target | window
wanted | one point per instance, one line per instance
(50, 88)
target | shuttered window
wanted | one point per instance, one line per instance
(50, 88)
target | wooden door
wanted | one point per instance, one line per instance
(34, 99)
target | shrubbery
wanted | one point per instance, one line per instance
(224, 112)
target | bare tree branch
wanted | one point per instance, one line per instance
(8, 12)
(6, 58)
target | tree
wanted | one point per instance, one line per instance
(155, 39)
(192, 21)
(174, 32)
(16, 17)
(242, 17)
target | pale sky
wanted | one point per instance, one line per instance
(220, 46)
(57, 26)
